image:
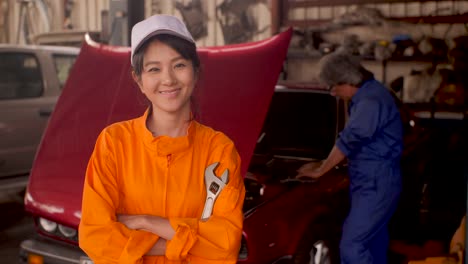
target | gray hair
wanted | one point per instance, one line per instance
(342, 68)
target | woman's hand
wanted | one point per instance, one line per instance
(155, 224)
(310, 170)
(136, 222)
(158, 249)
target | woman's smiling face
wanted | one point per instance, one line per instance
(167, 78)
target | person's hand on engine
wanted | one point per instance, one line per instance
(311, 170)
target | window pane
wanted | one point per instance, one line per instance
(20, 76)
(63, 65)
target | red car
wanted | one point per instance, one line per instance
(284, 218)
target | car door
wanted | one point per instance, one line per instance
(24, 110)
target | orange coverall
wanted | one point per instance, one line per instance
(132, 172)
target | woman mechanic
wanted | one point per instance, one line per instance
(372, 143)
(144, 190)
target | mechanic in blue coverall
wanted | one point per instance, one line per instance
(372, 143)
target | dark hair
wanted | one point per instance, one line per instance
(186, 49)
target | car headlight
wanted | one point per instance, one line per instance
(68, 232)
(52, 228)
(47, 225)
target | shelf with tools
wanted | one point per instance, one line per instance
(313, 13)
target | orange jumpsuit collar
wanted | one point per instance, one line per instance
(165, 145)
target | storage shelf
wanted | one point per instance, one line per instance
(281, 12)
(322, 3)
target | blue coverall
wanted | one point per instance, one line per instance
(372, 142)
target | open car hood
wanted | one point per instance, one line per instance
(232, 95)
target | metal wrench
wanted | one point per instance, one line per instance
(214, 185)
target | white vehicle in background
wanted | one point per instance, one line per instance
(31, 79)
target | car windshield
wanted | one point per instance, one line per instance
(300, 123)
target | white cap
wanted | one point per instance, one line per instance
(157, 24)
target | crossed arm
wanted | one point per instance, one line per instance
(154, 224)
